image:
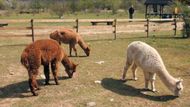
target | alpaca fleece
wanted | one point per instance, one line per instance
(45, 52)
(140, 54)
(72, 38)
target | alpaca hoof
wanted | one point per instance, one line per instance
(35, 94)
(70, 76)
(123, 80)
(57, 83)
(38, 88)
(154, 91)
(145, 89)
(47, 83)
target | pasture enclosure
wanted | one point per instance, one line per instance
(43, 27)
(83, 89)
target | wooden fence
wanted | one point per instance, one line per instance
(35, 27)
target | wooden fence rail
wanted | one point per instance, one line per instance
(118, 26)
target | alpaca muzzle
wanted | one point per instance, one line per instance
(70, 73)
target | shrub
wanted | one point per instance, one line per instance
(2, 6)
(186, 31)
(186, 13)
(59, 9)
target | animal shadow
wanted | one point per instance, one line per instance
(79, 56)
(64, 78)
(17, 90)
(118, 86)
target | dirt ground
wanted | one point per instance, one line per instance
(105, 64)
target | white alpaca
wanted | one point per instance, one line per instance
(148, 59)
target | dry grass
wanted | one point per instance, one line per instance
(81, 89)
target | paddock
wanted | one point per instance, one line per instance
(83, 88)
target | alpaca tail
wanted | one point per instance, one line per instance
(24, 60)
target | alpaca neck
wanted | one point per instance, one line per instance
(167, 79)
(67, 62)
(82, 44)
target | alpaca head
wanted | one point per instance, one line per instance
(71, 70)
(179, 88)
(87, 51)
(56, 35)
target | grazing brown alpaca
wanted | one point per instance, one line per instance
(45, 52)
(70, 37)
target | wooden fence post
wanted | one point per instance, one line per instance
(175, 27)
(32, 28)
(115, 28)
(77, 25)
(147, 30)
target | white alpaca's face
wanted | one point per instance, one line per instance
(179, 88)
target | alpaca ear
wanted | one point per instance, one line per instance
(181, 80)
(88, 48)
(76, 65)
(89, 44)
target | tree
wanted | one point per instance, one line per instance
(14, 4)
(186, 16)
(59, 8)
(125, 4)
(73, 5)
(114, 4)
(186, 12)
(2, 6)
(35, 6)
(84, 5)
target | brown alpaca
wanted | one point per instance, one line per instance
(45, 52)
(70, 37)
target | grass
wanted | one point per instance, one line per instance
(81, 89)
(80, 15)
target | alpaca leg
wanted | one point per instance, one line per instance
(46, 72)
(152, 81)
(125, 71)
(74, 48)
(32, 82)
(146, 76)
(127, 65)
(54, 68)
(134, 70)
(70, 49)
(36, 86)
(36, 83)
(32, 86)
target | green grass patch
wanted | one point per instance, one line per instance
(80, 15)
